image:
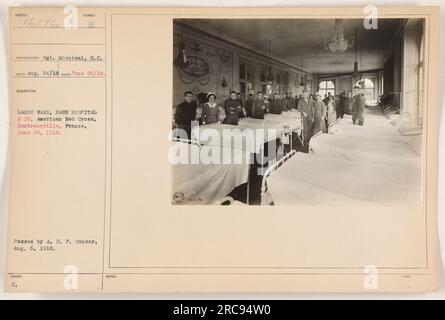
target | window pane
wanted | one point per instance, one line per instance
(365, 83)
(327, 85)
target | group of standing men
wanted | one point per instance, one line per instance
(234, 108)
(316, 113)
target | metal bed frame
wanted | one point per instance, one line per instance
(313, 137)
(185, 141)
(272, 169)
(336, 122)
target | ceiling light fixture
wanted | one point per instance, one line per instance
(338, 43)
(270, 75)
(302, 82)
(355, 73)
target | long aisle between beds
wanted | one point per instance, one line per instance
(372, 164)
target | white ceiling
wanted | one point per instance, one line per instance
(301, 42)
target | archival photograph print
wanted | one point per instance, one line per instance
(300, 112)
(223, 150)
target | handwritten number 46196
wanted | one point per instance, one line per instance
(41, 23)
(70, 20)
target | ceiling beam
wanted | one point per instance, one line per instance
(333, 75)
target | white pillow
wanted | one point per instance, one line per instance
(389, 113)
(394, 116)
(398, 122)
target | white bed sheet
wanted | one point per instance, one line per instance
(206, 183)
(251, 123)
(382, 152)
(290, 119)
(377, 142)
(376, 133)
(314, 180)
(243, 140)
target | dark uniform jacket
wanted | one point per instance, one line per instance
(284, 104)
(276, 107)
(358, 104)
(249, 107)
(258, 109)
(233, 109)
(291, 103)
(185, 113)
(307, 107)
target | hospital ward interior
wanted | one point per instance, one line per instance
(298, 112)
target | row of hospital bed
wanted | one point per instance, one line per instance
(223, 154)
(375, 164)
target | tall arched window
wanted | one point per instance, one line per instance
(325, 87)
(368, 88)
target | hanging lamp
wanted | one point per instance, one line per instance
(270, 75)
(355, 73)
